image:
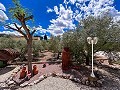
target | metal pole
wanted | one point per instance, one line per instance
(92, 74)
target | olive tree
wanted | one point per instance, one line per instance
(102, 27)
(20, 14)
(6, 42)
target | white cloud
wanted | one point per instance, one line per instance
(72, 1)
(7, 31)
(64, 20)
(11, 33)
(93, 7)
(13, 26)
(82, 8)
(3, 16)
(2, 7)
(56, 9)
(40, 29)
(49, 10)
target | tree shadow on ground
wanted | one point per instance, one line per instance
(113, 71)
(9, 88)
(6, 70)
(52, 61)
(4, 88)
(112, 81)
(79, 73)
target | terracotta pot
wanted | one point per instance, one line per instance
(23, 73)
(65, 58)
(35, 70)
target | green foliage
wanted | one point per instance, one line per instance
(72, 39)
(55, 44)
(20, 45)
(6, 42)
(2, 64)
(37, 47)
(18, 11)
(104, 28)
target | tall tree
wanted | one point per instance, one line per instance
(107, 31)
(19, 13)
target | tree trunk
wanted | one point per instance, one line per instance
(86, 55)
(29, 53)
(87, 60)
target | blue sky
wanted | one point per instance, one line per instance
(56, 16)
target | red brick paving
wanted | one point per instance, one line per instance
(50, 68)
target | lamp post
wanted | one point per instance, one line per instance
(92, 40)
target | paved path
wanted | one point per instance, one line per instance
(54, 83)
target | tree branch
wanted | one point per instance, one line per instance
(18, 30)
(28, 18)
(33, 32)
(16, 25)
(26, 29)
(9, 27)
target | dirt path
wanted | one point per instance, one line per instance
(47, 56)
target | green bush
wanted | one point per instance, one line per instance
(2, 64)
(6, 42)
(37, 47)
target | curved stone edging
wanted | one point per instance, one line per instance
(84, 80)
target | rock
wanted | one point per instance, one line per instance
(93, 79)
(50, 74)
(84, 79)
(10, 78)
(30, 84)
(44, 65)
(36, 81)
(92, 84)
(10, 83)
(64, 76)
(24, 84)
(53, 74)
(41, 77)
(75, 79)
(78, 80)
(3, 85)
(59, 75)
(87, 82)
(7, 81)
(99, 83)
(15, 71)
(45, 76)
(71, 77)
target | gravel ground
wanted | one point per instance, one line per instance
(111, 78)
(54, 83)
(6, 72)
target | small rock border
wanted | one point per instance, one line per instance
(84, 80)
(10, 82)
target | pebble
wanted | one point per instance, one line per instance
(36, 81)
(30, 84)
(10, 83)
(24, 84)
(41, 77)
(71, 77)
